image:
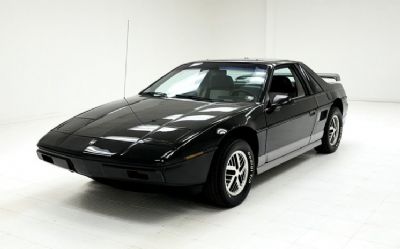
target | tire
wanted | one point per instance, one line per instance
(331, 144)
(224, 186)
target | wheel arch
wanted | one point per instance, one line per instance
(339, 104)
(245, 133)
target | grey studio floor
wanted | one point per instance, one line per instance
(349, 199)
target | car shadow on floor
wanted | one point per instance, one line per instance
(139, 203)
(293, 164)
(146, 204)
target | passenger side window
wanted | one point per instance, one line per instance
(285, 82)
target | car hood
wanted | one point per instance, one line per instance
(164, 119)
(114, 127)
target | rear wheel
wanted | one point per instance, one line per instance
(231, 172)
(332, 132)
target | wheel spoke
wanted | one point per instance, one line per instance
(241, 161)
(239, 181)
(230, 167)
(237, 159)
(233, 179)
(241, 167)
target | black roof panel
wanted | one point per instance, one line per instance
(248, 60)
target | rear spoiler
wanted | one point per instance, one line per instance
(333, 76)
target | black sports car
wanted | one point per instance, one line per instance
(211, 123)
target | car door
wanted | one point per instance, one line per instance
(322, 100)
(289, 122)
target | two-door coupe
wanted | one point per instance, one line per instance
(214, 123)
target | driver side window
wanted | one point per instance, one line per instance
(285, 82)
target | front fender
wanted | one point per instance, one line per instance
(209, 138)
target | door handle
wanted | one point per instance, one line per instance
(312, 113)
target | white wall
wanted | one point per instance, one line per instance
(65, 56)
(192, 30)
(358, 39)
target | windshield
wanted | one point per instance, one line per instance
(212, 81)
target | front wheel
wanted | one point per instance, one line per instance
(231, 172)
(332, 132)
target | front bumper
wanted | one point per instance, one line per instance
(184, 173)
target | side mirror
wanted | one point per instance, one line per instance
(280, 100)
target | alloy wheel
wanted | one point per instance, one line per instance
(236, 173)
(334, 129)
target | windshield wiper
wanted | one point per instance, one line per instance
(181, 96)
(154, 94)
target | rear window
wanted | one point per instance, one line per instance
(314, 86)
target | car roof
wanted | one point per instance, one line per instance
(249, 60)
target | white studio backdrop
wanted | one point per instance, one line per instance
(65, 56)
(358, 39)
